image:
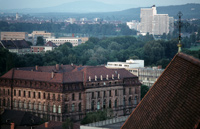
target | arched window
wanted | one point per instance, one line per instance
(20, 104)
(115, 103)
(29, 105)
(54, 108)
(124, 101)
(98, 105)
(92, 105)
(110, 105)
(104, 104)
(44, 107)
(135, 100)
(129, 101)
(25, 105)
(15, 103)
(34, 106)
(79, 107)
(59, 109)
(73, 107)
(40, 106)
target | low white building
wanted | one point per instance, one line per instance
(59, 41)
(128, 64)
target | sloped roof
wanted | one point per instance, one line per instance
(173, 101)
(65, 73)
(15, 44)
(19, 118)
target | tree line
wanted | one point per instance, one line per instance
(98, 51)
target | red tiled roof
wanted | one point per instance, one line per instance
(65, 74)
(173, 102)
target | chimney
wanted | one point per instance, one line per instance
(89, 78)
(52, 74)
(112, 76)
(36, 67)
(118, 76)
(12, 125)
(46, 124)
(72, 64)
(95, 78)
(57, 67)
(61, 66)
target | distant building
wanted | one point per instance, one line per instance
(14, 36)
(153, 23)
(42, 34)
(68, 91)
(146, 75)
(128, 64)
(49, 46)
(59, 41)
(16, 46)
(173, 101)
(133, 25)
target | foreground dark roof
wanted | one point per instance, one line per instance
(14, 44)
(174, 100)
(20, 118)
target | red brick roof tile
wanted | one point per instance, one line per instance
(173, 102)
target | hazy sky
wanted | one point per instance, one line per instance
(16, 4)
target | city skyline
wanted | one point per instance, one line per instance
(20, 4)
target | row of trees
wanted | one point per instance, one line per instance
(88, 29)
(97, 52)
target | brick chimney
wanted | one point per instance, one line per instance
(46, 124)
(52, 74)
(57, 67)
(12, 125)
(36, 67)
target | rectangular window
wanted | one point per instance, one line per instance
(98, 94)
(110, 93)
(73, 96)
(4, 92)
(8, 92)
(54, 97)
(115, 92)
(129, 91)
(29, 94)
(39, 95)
(24, 93)
(14, 92)
(79, 96)
(33, 94)
(92, 95)
(58, 97)
(104, 93)
(124, 91)
(48, 96)
(19, 92)
(44, 96)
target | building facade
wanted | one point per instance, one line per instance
(60, 41)
(14, 36)
(153, 23)
(43, 34)
(68, 91)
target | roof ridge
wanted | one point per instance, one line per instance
(189, 58)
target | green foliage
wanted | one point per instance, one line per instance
(95, 117)
(40, 41)
(68, 124)
(144, 90)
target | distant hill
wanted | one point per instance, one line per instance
(96, 9)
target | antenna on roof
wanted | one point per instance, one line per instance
(179, 26)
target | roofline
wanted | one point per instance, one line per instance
(149, 91)
(180, 54)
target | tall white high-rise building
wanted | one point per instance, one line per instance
(153, 23)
